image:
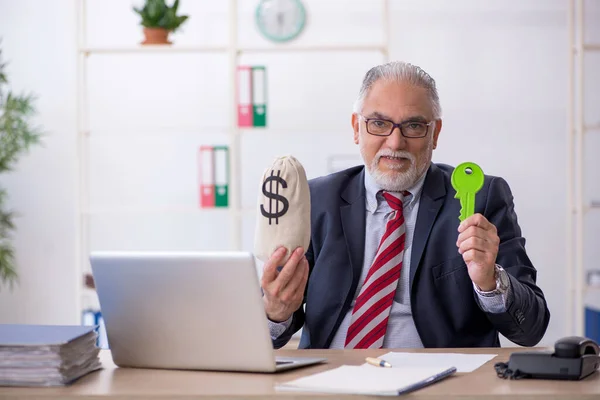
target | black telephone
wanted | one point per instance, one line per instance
(573, 358)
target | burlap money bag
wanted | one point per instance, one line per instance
(283, 214)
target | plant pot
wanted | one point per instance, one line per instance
(156, 36)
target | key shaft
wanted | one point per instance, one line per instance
(467, 204)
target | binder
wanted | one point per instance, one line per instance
(88, 317)
(102, 341)
(207, 177)
(259, 96)
(221, 167)
(244, 94)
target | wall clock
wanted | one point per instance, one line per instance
(280, 20)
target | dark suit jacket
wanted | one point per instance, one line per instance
(443, 302)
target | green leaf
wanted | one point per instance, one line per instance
(157, 14)
(3, 78)
(8, 272)
(180, 20)
(156, 10)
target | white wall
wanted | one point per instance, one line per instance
(502, 73)
(38, 41)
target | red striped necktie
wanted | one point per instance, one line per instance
(374, 302)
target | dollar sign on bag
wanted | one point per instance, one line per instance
(277, 180)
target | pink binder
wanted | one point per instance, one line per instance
(244, 96)
(206, 176)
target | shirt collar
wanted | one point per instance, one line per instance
(374, 198)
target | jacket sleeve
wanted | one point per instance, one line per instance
(527, 316)
(298, 316)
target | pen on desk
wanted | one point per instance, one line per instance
(378, 362)
(426, 382)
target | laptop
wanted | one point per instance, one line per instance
(193, 310)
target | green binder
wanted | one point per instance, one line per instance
(259, 96)
(221, 168)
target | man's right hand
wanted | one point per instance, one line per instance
(284, 290)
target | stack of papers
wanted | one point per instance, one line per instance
(46, 355)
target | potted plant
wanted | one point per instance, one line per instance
(17, 134)
(158, 20)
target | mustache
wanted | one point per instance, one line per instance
(391, 153)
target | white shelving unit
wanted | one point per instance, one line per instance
(233, 50)
(87, 51)
(577, 206)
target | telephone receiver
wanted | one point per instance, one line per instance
(573, 358)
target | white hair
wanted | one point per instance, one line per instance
(399, 71)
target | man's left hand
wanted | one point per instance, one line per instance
(478, 243)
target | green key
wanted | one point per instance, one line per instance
(467, 179)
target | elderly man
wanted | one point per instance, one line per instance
(388, 264)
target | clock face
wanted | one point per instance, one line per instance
(280, 20)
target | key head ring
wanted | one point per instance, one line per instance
(467, 177)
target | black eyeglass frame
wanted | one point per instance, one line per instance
(395, 125)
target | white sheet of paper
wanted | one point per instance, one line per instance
(462, 362)
(359, 380)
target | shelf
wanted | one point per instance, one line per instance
(212, 49)
(163, 210)
(595, 127)
(587, 47)
(152, 49)
(591, 287)
(594, 205)
(319, 48)
(200, 131)
(156, 132)
(292, 130)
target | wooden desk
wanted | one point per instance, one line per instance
(128, 383)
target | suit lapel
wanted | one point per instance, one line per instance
(353, 224)
(432, 198)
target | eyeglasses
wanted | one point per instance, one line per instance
(408, 129)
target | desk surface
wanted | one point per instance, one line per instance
(129, 383)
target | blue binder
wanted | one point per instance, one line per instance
(89, 317)
(102, 336)
(592, 323)
(94, 318)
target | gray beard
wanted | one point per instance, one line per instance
(397, 181)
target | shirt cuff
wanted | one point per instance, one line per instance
(276, 329)
(496, 303)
